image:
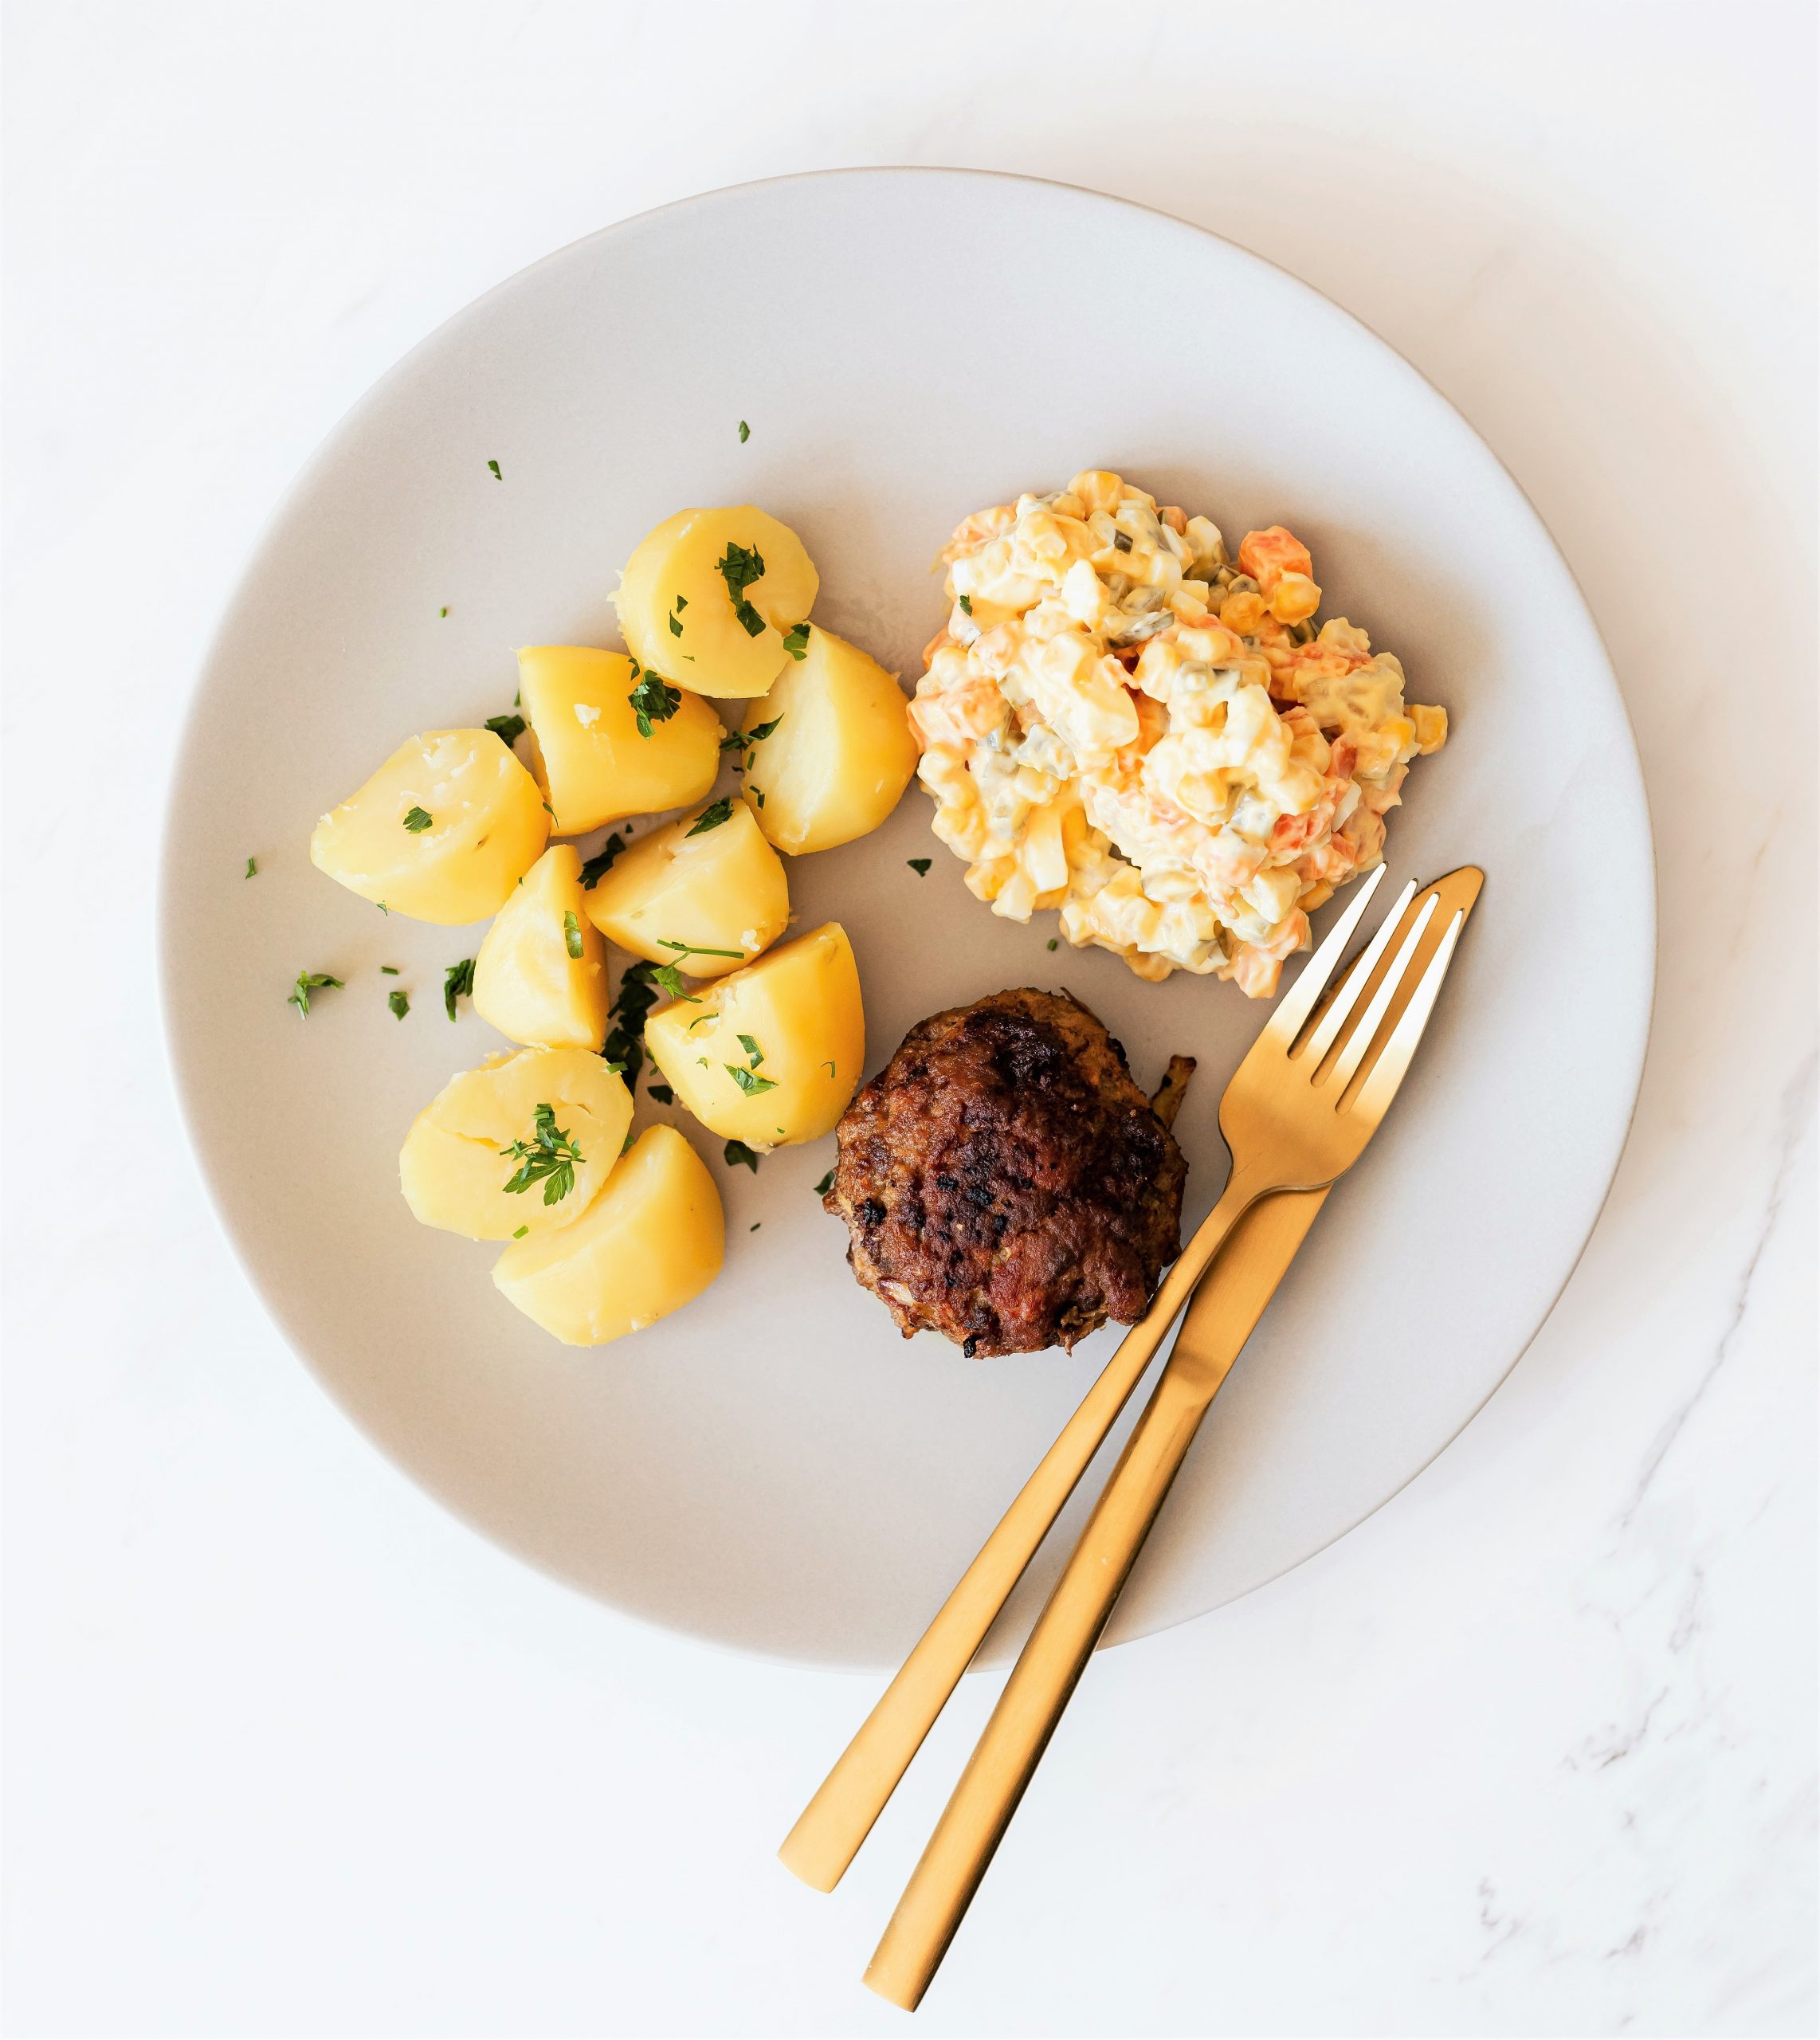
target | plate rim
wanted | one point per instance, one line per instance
(184, 759)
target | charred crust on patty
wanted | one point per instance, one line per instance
(1005, 1182)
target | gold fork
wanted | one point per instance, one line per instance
(1284, 1083)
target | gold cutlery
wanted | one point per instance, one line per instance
(1398, 995)
(1278, 1119)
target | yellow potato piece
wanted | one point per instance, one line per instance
(799, 1009)
(842, 752)
(443, 831)
(541, 973)
(722, 889)
(598, 766)
(451, 1168)
(651, 1242)
(675, 577)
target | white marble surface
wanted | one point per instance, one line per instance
(287, 1751)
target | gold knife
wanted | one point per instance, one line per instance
(836, 1821)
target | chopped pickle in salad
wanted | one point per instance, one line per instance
(1122, 722)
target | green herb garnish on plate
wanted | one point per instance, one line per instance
(549, 1157)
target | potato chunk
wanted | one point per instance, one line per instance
(453, 1171)
(600, 766)
(771, 1054)
(541, 973)
(687, 607)
(651, 1242)
(709, 890)
(839, 753)
(443, 831)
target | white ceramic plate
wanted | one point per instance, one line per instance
(773, 1467)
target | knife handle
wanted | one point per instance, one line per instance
(941, 1888)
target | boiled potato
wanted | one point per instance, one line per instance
(712, 889)
(649, 1243)
(599, 767)
(456, 1163)
(443, 831)
(685, 607)
(541, 973)
(839, 752)
(771, 1054)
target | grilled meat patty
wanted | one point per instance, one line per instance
(1005, 1181)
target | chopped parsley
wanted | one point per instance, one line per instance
(252, 867)
(695, 949)
(638, 991)
(598, 866)
(755, 1225)
(830, 1068)
(629, 1143)
(740, 742)
(549, 1157)
(309, 981)
(653, 700)
(753, 1086)
(383, 908)
(711, 818)
(399, 1004)
(521, 1232)
(796, 641)
(967, 605)
(919, 866)
(759, 795)
(509, 729)
(736, 1152)
(572, 935)
(745, 432)
(457, 982)
(1052, 942)
(825, 1185)
(739, 568)
(675, 624)
(662, 1092)
(388, 970)
(418, 819)
(494, 466)
(755, 1053)
(444, 611)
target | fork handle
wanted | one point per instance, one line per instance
(828, 1834)
(941, 1888)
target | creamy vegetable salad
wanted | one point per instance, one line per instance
(1121, 722)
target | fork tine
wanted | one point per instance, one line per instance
(1380, 1086)
(1355, 981)
(1362, 1036)
(1298, 1003)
